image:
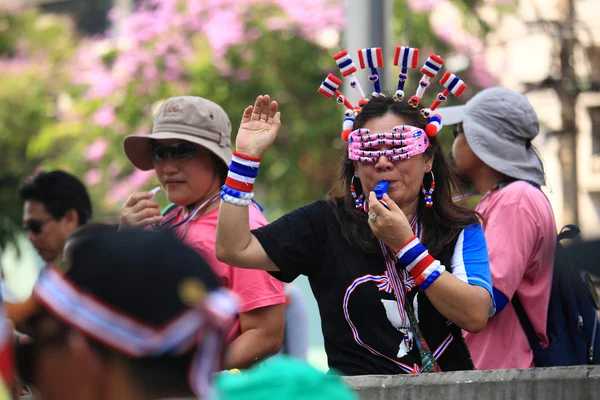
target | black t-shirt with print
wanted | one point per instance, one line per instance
(358, 316)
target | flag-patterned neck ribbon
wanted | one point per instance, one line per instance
(402, 283)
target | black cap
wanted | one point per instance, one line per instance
(140, 273)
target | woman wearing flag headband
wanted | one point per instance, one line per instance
(397, 269)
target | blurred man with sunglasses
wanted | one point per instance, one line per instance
(189, 149)
(55, 205)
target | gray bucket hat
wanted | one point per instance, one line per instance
(499, 125)
(189, 118)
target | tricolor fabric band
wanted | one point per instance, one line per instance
(417, 261)
(404, 141)
(239, 184)
(126, 335)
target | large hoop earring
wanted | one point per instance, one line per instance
(428, 193)
(359, 200)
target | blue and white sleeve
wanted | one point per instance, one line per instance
(470, 261)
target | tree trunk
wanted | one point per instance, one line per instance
(568, 91)
(567, 155)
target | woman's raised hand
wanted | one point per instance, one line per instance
(259, 127)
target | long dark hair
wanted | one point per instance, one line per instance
(441, 224)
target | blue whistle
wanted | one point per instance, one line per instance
(380, 189)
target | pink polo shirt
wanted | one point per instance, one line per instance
(521, 237)
(254, 288)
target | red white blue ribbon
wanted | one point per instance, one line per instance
(204, 326)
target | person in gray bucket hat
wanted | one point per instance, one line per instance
(190, 150)
(499, 125)
(492, 149)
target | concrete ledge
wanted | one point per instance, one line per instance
(573, 383)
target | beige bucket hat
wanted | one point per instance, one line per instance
(190, 118)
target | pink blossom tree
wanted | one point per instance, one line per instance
(104, 88)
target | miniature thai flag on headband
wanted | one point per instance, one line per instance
(345, 63)
(347, 68)
(329, 88)
(330, 85)
(453, 83)
(371, 57)
(432, 66)
(406, 57)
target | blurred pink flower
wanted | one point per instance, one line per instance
(128, 185)
(17, 64)
(483, 77)
(104, 116)
(96, 150)
(424, 5)
(102, 86)
(150, 72)
(164, 29)
(278, 23)
(223, 29)
(313, 16)
(114, 169)
(114, 15)
(93, 177)
(242, 74)
(471, 45)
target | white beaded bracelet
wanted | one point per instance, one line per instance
(235, 201)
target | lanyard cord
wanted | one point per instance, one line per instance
(201, 207)
(397, 280)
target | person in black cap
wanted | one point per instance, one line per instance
(138, 315)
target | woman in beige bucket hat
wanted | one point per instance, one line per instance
(189, 149)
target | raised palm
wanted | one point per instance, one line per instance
(259, 127)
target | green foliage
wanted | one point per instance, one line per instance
(48, 118)
(28, 96)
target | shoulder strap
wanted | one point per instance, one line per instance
(532, 337)
(568, 232)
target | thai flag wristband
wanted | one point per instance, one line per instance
(417, 261)
(243, 170)
(431, 278)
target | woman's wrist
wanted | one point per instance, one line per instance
(417, 261)
(248, 155)
(239, 185)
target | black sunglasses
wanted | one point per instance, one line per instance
(179, 151)
(35, 226)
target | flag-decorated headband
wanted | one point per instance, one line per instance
(203, 327)
(406, 58)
